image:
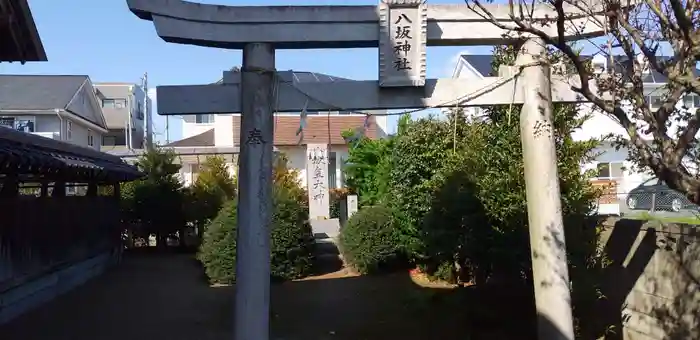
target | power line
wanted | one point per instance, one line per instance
(466, 97)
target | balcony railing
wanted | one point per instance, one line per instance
(52, 135)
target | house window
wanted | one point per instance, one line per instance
(691, 101)
(70, 189)
(7, 122)
(611, 170)
(204, 119)
(113, 103)
(24, 124)
(90, 138)
(139, 111)
(655, 102)
(69, 130)
(109, 141)
(598, 67)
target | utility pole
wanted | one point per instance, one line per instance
(252, 316)
(167, 129)
(547, 242)
(147, 112)
(129, 122)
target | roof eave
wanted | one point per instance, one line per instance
(29, 47)
(38, 47)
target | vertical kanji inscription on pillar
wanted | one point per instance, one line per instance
(402, 43)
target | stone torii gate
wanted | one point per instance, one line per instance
(401, 29)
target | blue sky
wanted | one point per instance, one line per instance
(104, 40)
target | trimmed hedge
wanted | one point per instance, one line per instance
(291, 241)
(369, 241)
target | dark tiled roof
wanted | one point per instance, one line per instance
(28, 154)
(43, 92)
(482, 64)
(29, 92)
(205, 138)
(299, 76)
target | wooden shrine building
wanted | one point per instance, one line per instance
(59, 221)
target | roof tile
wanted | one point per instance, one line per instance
(322, 129)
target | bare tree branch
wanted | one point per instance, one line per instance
(638, 29)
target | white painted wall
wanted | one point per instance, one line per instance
(191, 128)
(223, 130)
(79, 134)
(600, 124)
(382, 122)
(185, 174)
(597, 126)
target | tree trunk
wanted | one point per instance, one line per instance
(161, 240)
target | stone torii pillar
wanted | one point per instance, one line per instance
(401, 29)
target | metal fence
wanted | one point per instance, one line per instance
(657, 201)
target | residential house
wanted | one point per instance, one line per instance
(61, 107)
(127, 109)
(193, 151)
(223, 131)
(614, 168)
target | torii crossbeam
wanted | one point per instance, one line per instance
(401, 29)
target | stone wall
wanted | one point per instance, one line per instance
(652, 286)
(32, 293)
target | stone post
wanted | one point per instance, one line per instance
(548, 246)
(351, 202)
(317, 158)
(252, 314)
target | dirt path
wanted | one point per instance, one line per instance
(154, 297)
(148, 296)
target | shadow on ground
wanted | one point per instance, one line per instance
(163, 296)
(155, 295)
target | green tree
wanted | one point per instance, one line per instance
(287, 179)
(213, 187)
(367, 169)
(417, 155)
(291, 236)
(215, 176)
(368, 240)
(155, 203)
(473, 225)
